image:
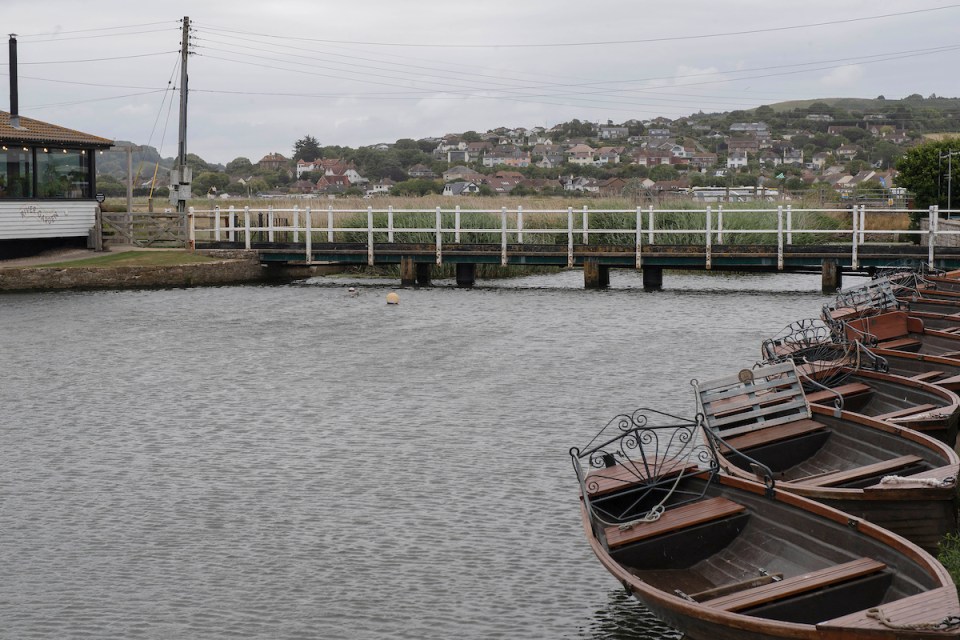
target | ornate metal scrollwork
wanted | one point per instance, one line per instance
(639, 459)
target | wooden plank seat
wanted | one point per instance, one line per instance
(949, 354)
(674, 519)
(845, 390)
(770, 435)
(797, 585)
(926, 376)
(886, 327)
(903, 413)
(621, 476)
(900, 343)
(919, 609)
(859, 473)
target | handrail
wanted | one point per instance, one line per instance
(781, 226)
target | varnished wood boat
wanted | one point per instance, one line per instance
(850, 377)
(724, 558)
(898, 331)
(895, 477)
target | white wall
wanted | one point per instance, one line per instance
(46, 219)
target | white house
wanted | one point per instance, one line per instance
(737, 159)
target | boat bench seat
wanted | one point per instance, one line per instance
(846, 390)
(949, 354)
(770, 435)
(900, 343)
(886, 327)
(926, 376)
(796, 585)
(904, 413)
(622, 476)
(859, 473)
(674, 519)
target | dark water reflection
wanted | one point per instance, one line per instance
(296, 462)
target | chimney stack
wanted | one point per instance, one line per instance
(14, 93)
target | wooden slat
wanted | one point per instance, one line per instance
(886, 326)
(859, 473)
(845, 390)
(621, 476)
(773, 396)
(902, 413)
(927, 375)
(797, 585)
(922, 608)
(900, 343)
(773, 434)
(674, 519)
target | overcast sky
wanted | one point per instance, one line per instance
(355, 73)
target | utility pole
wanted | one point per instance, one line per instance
(949, 156)
(181, 177)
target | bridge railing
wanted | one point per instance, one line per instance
(783, 226)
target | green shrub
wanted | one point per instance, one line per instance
(948, 553)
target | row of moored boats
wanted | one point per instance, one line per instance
(807, 495)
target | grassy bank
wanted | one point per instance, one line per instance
(165, 258)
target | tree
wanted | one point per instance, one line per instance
(307, 149)
(924, 172)
(663, 172)
(239, 166)
(208, 181)
(471, 136)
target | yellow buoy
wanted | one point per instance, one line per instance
(393, 298)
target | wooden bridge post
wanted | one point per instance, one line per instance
(831, 276)
(466, 274)
(408, 271)
(595, 275)
(652, 278)
(423, 274)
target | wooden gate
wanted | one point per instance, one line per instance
(145, 229)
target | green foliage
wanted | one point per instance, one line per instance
(923, 172)
(417, 187)
(663, 172)
(307, 149)
(240, 166)
(208, 181)
(948, 553)
(198, 164)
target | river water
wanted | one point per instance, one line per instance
(299, 462)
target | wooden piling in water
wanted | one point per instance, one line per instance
(831, 276)
(595, 275)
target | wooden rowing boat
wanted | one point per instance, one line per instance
(895, 477)
(722, 557)
(850, 377)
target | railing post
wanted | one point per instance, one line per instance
(639, 261)
(233, 225)
(191, 230)
(329, 223)
(308, 231)
(456, 225)
(439, 238)
(863, 223)
(789, 224)
(854, 261)
(216, 223)
(719, 224)
(503, 236)
(519, 224)
(780, 237)
(390, 223)
(586, 226)
(569, 237)
(270, 223)
(370, 236)
(650, 224)
(933, 227)
(709, 240)
(246, 226)
(296, 223)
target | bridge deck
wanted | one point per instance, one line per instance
(721, 257)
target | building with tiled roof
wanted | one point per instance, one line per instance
(47, 184)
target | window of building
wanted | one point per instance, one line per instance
(63, 173)
(16, 172)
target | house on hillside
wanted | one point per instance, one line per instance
(460, 188)
(381, 187)
(421, 171)
(460, 173)
(47, 185)
(273, 162)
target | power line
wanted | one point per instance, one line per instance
(140, 55)
(126, 26)
(98, 36)
(604, 42)
(73, 102)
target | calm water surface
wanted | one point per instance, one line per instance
(294, 462)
